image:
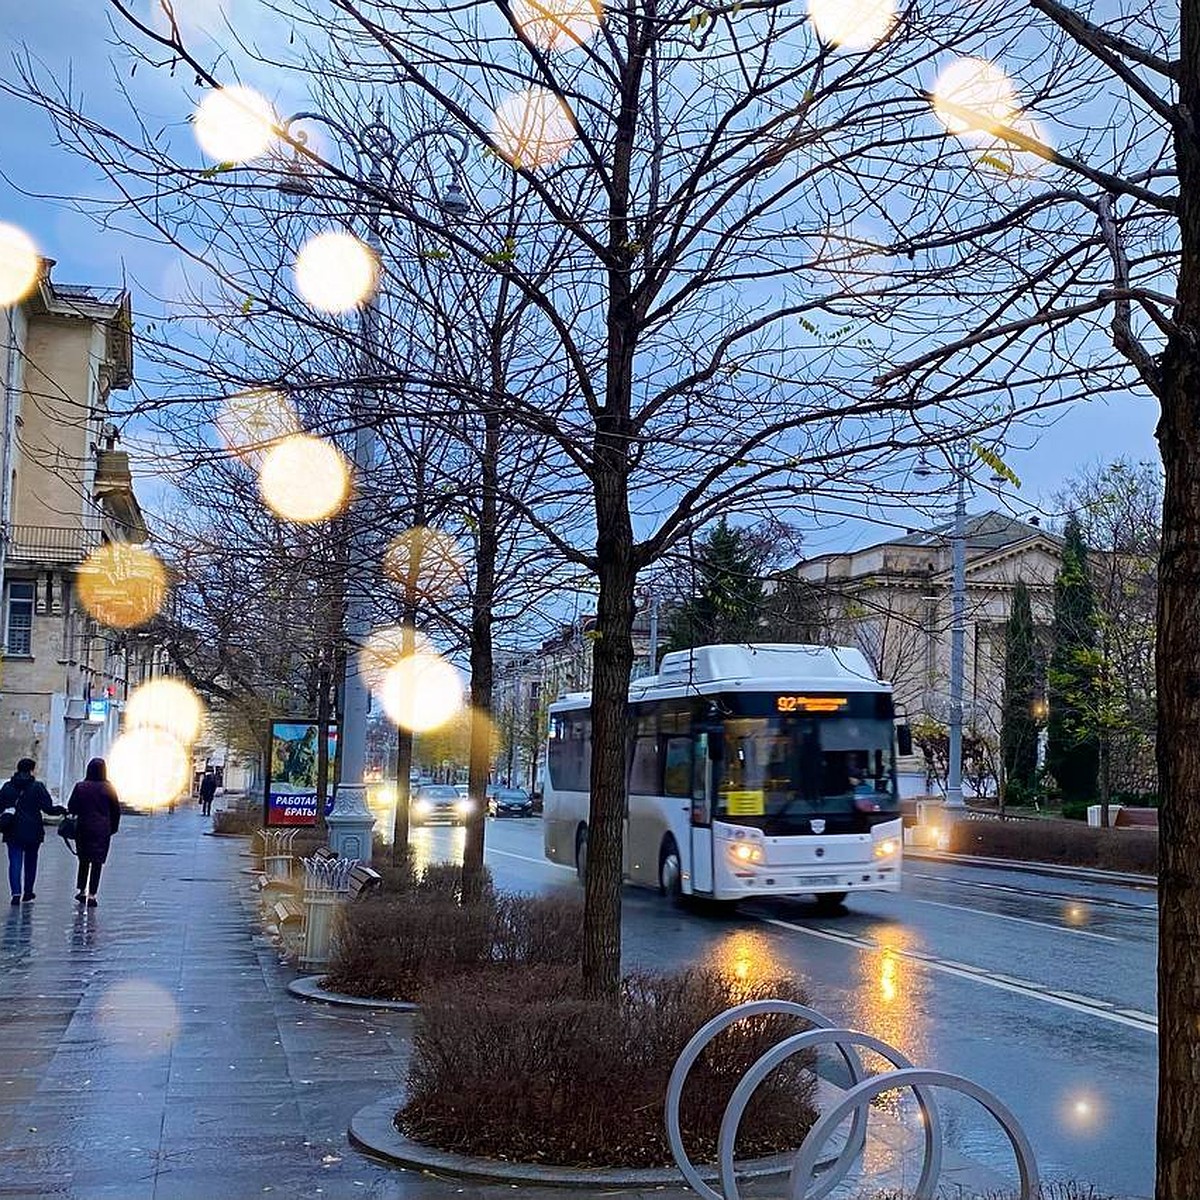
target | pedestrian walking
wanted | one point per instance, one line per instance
(208, 789)
(24, 830)
(98, 814)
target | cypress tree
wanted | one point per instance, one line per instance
(1018, 725)
(1072, 749)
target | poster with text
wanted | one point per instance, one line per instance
(292, 773)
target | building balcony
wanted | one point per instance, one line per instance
(42, 544)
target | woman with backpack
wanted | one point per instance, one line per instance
(23, 829)
(97, 811)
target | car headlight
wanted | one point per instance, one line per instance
(886, 847)
(422, 807)
(466, 807)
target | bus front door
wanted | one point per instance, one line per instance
(703, 795)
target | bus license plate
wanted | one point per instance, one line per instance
(818, 881)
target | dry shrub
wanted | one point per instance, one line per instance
(392, 947)
(234, 821)
(538, 930)
(518, 1066)
(1064, 842)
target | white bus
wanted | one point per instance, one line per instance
(761, 770)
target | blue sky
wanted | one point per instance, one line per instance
(74, 35)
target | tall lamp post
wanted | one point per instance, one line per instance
(376, 147)
(960, 467)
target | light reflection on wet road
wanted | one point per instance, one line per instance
(1040, 988)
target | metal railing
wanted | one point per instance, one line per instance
(50, 544)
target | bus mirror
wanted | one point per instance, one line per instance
(904, 740)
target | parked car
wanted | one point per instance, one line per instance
(439, 802)
(510, 802)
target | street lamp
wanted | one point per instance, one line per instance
(375, 146)
(960, 466)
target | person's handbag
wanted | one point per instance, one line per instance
(8, 818)
(67, 828)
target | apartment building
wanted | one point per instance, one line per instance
(65, 488)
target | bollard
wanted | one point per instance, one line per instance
(326, 882)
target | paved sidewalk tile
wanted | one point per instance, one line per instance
(149, 1048)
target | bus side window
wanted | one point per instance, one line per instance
(701, 770)
(677, 774)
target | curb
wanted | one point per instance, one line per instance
(372, 1131)
(308, 987)
(1085, 874)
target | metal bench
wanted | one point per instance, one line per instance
(1136, 818)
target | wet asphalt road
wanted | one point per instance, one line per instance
(149, 1048)
(1040, 988)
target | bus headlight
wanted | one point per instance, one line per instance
(886, 847)
(745, 852)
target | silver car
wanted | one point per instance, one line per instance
(439, 802)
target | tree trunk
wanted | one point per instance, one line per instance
(481, 658)
(1178, 675)
(612, 662)
(324, 682)
(404, 746)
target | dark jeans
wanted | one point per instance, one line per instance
(89, 873)
(18, 857)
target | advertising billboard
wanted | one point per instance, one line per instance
(292, 773)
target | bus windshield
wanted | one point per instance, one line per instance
(786, 769)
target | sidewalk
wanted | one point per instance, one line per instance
(149, 1048)
(1034, 867)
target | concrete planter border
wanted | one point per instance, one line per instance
(308, 987)
(372, 1130)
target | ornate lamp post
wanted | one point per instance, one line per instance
(376, 147)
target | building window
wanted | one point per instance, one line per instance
(19, 637)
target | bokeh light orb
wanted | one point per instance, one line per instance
(335, 272)
(121, 585)
(421, 692)
(427, 561)
(971, 93)
(20, 264)
(234, 124)
(138, 1018)
(250, 423)
(304, 479)
(149, 768)
(533, 128)
(385, 647)
(557, 24)
(167, 704)
(852, 24)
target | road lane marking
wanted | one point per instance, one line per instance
(1085, 1005)
(1067, 897)
(980, 912)
(541, 862)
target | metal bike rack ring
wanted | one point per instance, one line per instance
(855, 1140)
(859, 1096)
(828, 1175)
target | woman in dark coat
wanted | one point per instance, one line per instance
(25, 832)
(94, 803)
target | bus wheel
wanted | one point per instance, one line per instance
(829, 903)
(669, 871)
(581, 854)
